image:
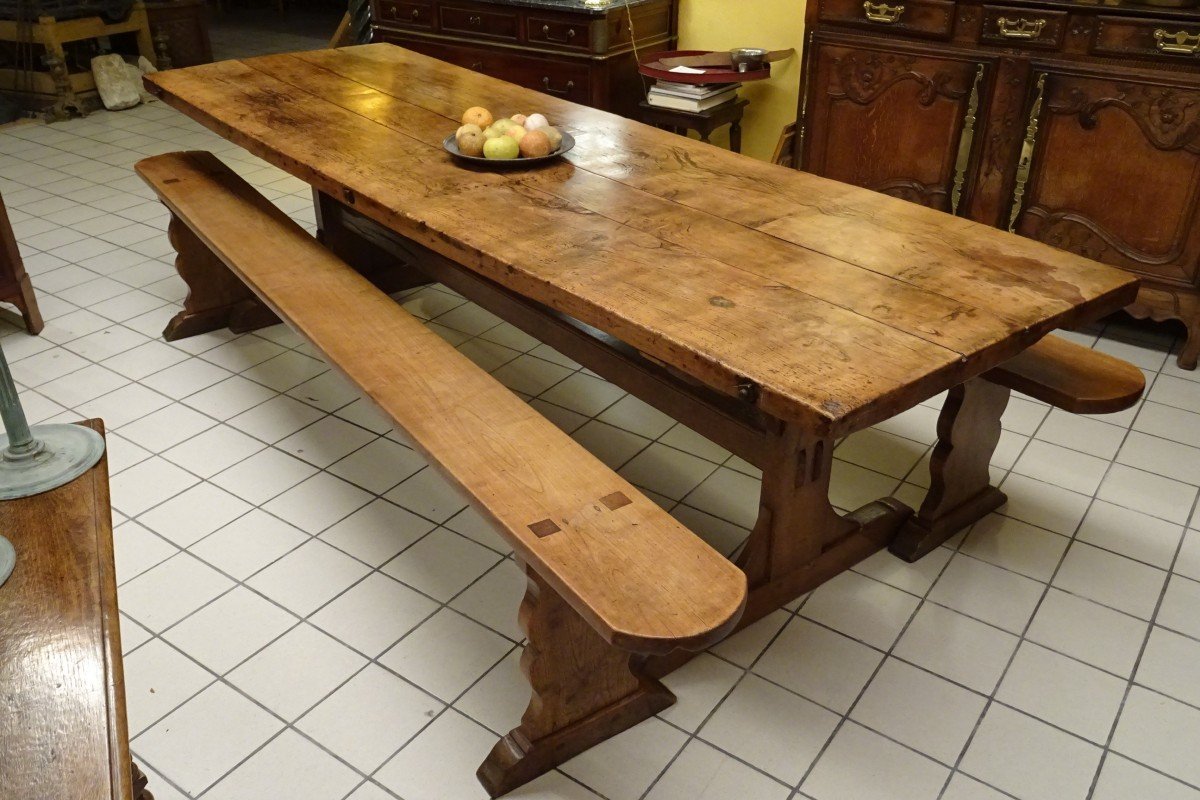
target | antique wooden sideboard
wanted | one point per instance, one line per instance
(1077, 124)
(562, 47)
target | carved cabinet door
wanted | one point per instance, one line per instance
(897, 122)
(1111, 170)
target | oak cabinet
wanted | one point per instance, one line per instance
(1077, 125)
(561, 47)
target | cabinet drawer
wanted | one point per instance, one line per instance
(570, 34)
(479, 22)
(932, 19)
(1022, 27)
(1165, 41)
(405, 14)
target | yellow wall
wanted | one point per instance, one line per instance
(773, 24)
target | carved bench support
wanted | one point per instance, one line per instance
(961, 491)
(216, 297)
(584, 691)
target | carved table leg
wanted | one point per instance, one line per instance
(961, 491)
(140, 792)
(216, 297)
(584, 691)
(26, 301)
(799, 540)
(1190, 353)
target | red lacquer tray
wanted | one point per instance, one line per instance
(652, 67)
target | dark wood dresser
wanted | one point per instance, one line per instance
(562, 47)
(63, 733)
(1075, 124)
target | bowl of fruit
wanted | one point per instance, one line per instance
(516, 141)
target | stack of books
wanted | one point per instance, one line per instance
(693, 97)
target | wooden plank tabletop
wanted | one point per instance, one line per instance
(840, 305)
(62, 706)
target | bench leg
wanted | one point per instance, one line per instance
(26, 302)
(961, 490)
(216, 297)
(584, 691)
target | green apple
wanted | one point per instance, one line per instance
(502, 147)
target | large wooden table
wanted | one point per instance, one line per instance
(772, 310)
(63, 732)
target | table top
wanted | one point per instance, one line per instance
(62, 707)
(828, 304)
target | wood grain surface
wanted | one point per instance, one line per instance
(63, 733)
(641, 579)
(836, 307)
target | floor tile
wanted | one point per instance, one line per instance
(230, 398)
(1161, 733)
(819, 664)
(616, 447)
(205, 738)
(1016, 546)
(1056, 465)
(771, 728)
(276, 419)
(158, 679)
(957, 647)
(429, 494)
(446, 654)
(325, 441)
(263, 475)
(318, 502)
(378, 466)
(296, 671)
(1062, 691)
(495, 598)
(440, 762)
(212, 451)
(230, 629)
(1111, 580)
(863, 765)
(1180, 609)
(1121, 779)
(249, 543)
(729, 495)
(993, 595)
(160, 597)
(1085, 434)
(1041, 504)
(702, 772)
(643, 751)
(376, 532)
(1131, 533)
(137, 549)
(882, 452)
(193, 514)
(499, 699)
(897, 704)
(354, 617)
(1170, 665)
(1088, 631)
(667, 471)
(290, 766)
(1151, 494)
(370, 717)
(861, 608)
(583, 394)
(1161, 457)
(441, 564)
(1053, 765)
(963, 787)
(308, 577)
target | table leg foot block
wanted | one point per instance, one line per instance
(584, 691)
(921, 536)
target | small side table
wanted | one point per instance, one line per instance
(703, 122)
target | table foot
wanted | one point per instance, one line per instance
(584, 691)
(216, 297)
(960, 490)
(140, 792)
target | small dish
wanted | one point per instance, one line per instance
(568, 141)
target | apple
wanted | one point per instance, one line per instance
(519, 119)
(516, 132)
(470, 143)
(502, 147)
(554, 136)
(535, 121)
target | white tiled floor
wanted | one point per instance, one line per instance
(310, 613)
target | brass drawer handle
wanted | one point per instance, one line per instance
(1020, 28)
(477, 66)
(1180, 43)
(564, 91)
(546, 33)
(416, 13)
(882, 12)
(475, 20)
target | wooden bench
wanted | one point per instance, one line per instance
(1054, 370)
(612, 577)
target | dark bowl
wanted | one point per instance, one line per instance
(568, 141)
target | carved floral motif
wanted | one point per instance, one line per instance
(862, 79)
(1168, 116)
